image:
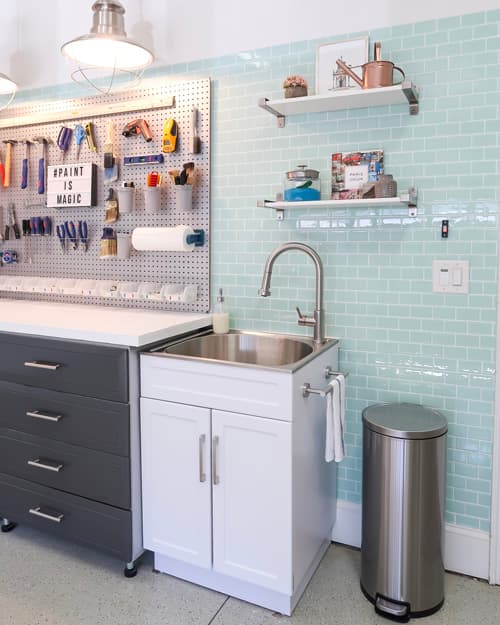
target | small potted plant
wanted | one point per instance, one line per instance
(295, 86)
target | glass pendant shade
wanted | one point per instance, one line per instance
(7, 86)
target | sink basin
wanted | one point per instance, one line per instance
(246, 348)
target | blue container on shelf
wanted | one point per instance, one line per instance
(302, 185)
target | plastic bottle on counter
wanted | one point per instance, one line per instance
(220, 316)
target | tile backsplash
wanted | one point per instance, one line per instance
(399, 340)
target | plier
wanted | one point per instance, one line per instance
(11, 221)
(69, 226)
(83, 234)
(61, 235)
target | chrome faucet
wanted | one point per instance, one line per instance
(317, 320)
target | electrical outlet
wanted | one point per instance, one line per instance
(450, 276)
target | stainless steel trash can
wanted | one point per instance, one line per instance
(404, 456)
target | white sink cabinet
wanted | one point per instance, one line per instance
(237, 496)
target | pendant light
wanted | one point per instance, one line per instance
(107, 47)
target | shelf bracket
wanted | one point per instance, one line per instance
(411, 93)
(263, 103)
(412, 202)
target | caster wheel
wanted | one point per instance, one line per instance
(8, 527)
(130, 572)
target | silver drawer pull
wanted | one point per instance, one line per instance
(48, 465)
(201, 444)
(40, 364)
(215, 444)
(36, 414)
(38, 512)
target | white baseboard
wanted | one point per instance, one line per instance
(465, 551)
(347, 528)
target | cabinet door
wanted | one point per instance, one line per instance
(252, 506)
(176, 485)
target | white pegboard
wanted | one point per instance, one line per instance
(43, 256)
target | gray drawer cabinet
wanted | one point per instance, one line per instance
(78, 470)
(67, 516)
(69, 459)
(94, 423)
(69, 366)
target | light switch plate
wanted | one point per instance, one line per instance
(450, 276)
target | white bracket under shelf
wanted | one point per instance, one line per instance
(404, 93)
(408, 199)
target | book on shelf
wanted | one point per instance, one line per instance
(355, 173)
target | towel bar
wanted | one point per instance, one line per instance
(307, 389)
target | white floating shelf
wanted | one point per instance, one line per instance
(404, 93)
(407, 199)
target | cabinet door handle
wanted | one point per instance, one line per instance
(36, 414)
(215, 444)
(201, 444)
(48, 465)
(45, 515)
(40, 364)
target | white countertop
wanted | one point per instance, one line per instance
(118, 326)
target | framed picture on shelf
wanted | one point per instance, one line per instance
(354, 52)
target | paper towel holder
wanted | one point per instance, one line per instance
(198, 238)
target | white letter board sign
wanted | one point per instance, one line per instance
(71, 185)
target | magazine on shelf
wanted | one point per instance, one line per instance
(354, 173)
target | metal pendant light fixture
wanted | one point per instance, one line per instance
(107, 47)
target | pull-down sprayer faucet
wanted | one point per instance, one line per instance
(317, 320)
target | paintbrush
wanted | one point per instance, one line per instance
(110, 162)
(196, 141)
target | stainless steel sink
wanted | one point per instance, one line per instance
(259, 349)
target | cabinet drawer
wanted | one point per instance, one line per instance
(77, 470)
(95, 524)
(70, 366)
(95, 423)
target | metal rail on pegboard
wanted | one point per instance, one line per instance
(43, 256)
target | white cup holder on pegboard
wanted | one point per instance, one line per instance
(141, 291)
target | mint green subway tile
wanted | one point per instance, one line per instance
(477, 433)
(455, 507)
(450, 518)
(465, 470)
(473, 19)
(484, 526)
(477, 511)
(467, 521)
(465, 496)
(478, 486)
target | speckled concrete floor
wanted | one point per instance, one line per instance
(44, 581)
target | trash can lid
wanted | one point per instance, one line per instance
(404, 420)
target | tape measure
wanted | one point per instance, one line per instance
(169, 138)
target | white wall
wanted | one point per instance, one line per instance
(33, 31)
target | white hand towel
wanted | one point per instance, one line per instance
(339, 422)
(331, 401)
(335, 415)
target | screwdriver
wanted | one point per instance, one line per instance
(79, 137)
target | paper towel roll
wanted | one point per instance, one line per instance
(163, 239)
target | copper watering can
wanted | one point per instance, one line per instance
(376, 73)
